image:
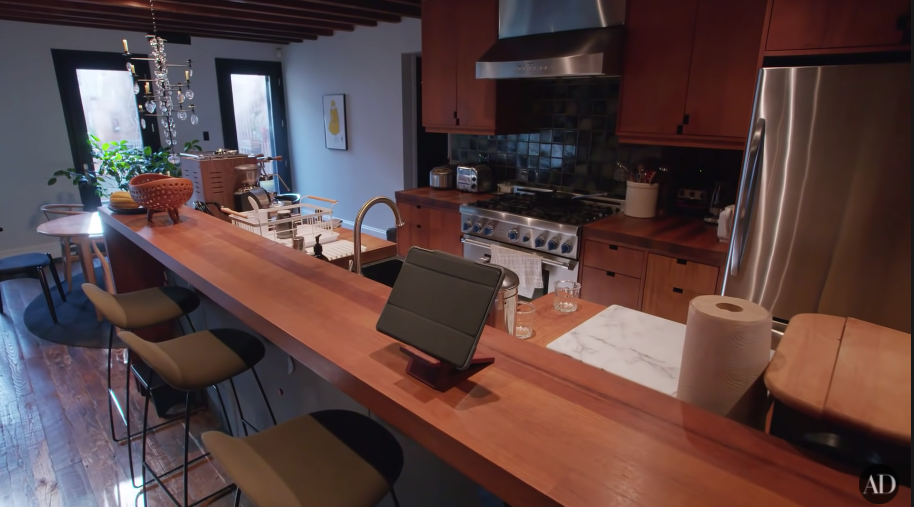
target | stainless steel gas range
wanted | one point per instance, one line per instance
(539, 221)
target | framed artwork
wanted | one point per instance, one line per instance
(335, 122)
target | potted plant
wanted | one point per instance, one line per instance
(118, 163)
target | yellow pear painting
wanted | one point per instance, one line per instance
(335, 122)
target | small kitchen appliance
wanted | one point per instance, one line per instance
(442, 178)
(476, 178)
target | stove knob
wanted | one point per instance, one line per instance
(553, 244)
(477, 227)
(467, 226)
(567, 247)
(489, 230)
(539, 242)
(526, 238)
(513, 235)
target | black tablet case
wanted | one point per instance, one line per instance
(439, 304)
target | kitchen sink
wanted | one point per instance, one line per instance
(385, 271)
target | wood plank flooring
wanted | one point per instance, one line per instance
(55, 448)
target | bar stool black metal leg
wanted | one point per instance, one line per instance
(244, 423)
(110, 391)
(143, 456)
(237, 501)
(186, 440)
(393, 496)
(264, 394)
(43, 278)
(56, 276)
(224, 412)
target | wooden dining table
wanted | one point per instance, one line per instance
(79, 229)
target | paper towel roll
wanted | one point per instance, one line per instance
(727, 348)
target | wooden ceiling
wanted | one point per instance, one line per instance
(272, 21)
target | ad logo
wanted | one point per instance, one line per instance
(879, 484)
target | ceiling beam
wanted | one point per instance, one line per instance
(116, 14)
(237, 10)
(313, 7)
(407, 11)
(198, 12)
(55, 20)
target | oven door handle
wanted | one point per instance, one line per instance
(568, 264)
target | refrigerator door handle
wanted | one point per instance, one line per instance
(746, 199)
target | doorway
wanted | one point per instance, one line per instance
(253, 109)
(431, 148)
(99, 98)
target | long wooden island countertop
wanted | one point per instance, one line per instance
(535, 428)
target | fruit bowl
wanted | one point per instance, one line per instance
(158, 192)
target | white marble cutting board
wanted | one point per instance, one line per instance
(639, 347)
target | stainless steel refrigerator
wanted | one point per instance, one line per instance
(823, 219)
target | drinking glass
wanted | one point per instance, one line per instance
(523, 320)
(567, 294)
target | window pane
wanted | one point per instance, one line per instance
(253, 117)
(110, 105)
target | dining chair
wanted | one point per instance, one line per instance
(68, 249)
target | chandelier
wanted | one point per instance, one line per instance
(165, 100)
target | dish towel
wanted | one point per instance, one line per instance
(527, 267)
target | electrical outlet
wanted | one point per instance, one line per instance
(206, 135)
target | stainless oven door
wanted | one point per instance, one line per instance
(554, 268)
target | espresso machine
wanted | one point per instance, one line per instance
(249, 176)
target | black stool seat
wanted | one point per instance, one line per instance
(24, 262)
(330, 458)
(33, 264)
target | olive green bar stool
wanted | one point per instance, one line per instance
(136, 310)
(331, 458)
(191, 363)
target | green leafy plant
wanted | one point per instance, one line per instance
(193, 145)
(118, 163)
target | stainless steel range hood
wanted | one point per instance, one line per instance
(556, 38)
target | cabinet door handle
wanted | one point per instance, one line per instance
(682, 261)
(679, 129)
(610, 273)
(685, 119)
(613, 247)
(677, 290)
(418, 226)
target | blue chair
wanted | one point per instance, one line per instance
(32, 264)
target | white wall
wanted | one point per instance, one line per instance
(33, 134)
(366, 66)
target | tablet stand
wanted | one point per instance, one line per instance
(439, 375)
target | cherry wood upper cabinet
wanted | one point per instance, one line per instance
(690, 69)
(439, 64)
(455, 33)
(477, 31)
(655, 79)
(798, 25)
(724, 68)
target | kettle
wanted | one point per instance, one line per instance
(504, 308)
(442, 178)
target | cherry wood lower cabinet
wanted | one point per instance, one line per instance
(660, 285)
(426, 227)
(609, 288)
(670, 284)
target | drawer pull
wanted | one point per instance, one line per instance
(677, 290)
(613, 247)
(418, 226)
(682, 261)
(418, 207)
(610, 273)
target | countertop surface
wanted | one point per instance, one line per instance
(535, 428)
(684, 237)
(444, 199)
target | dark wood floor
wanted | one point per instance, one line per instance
(55, 448)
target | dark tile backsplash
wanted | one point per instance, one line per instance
(570, 141)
